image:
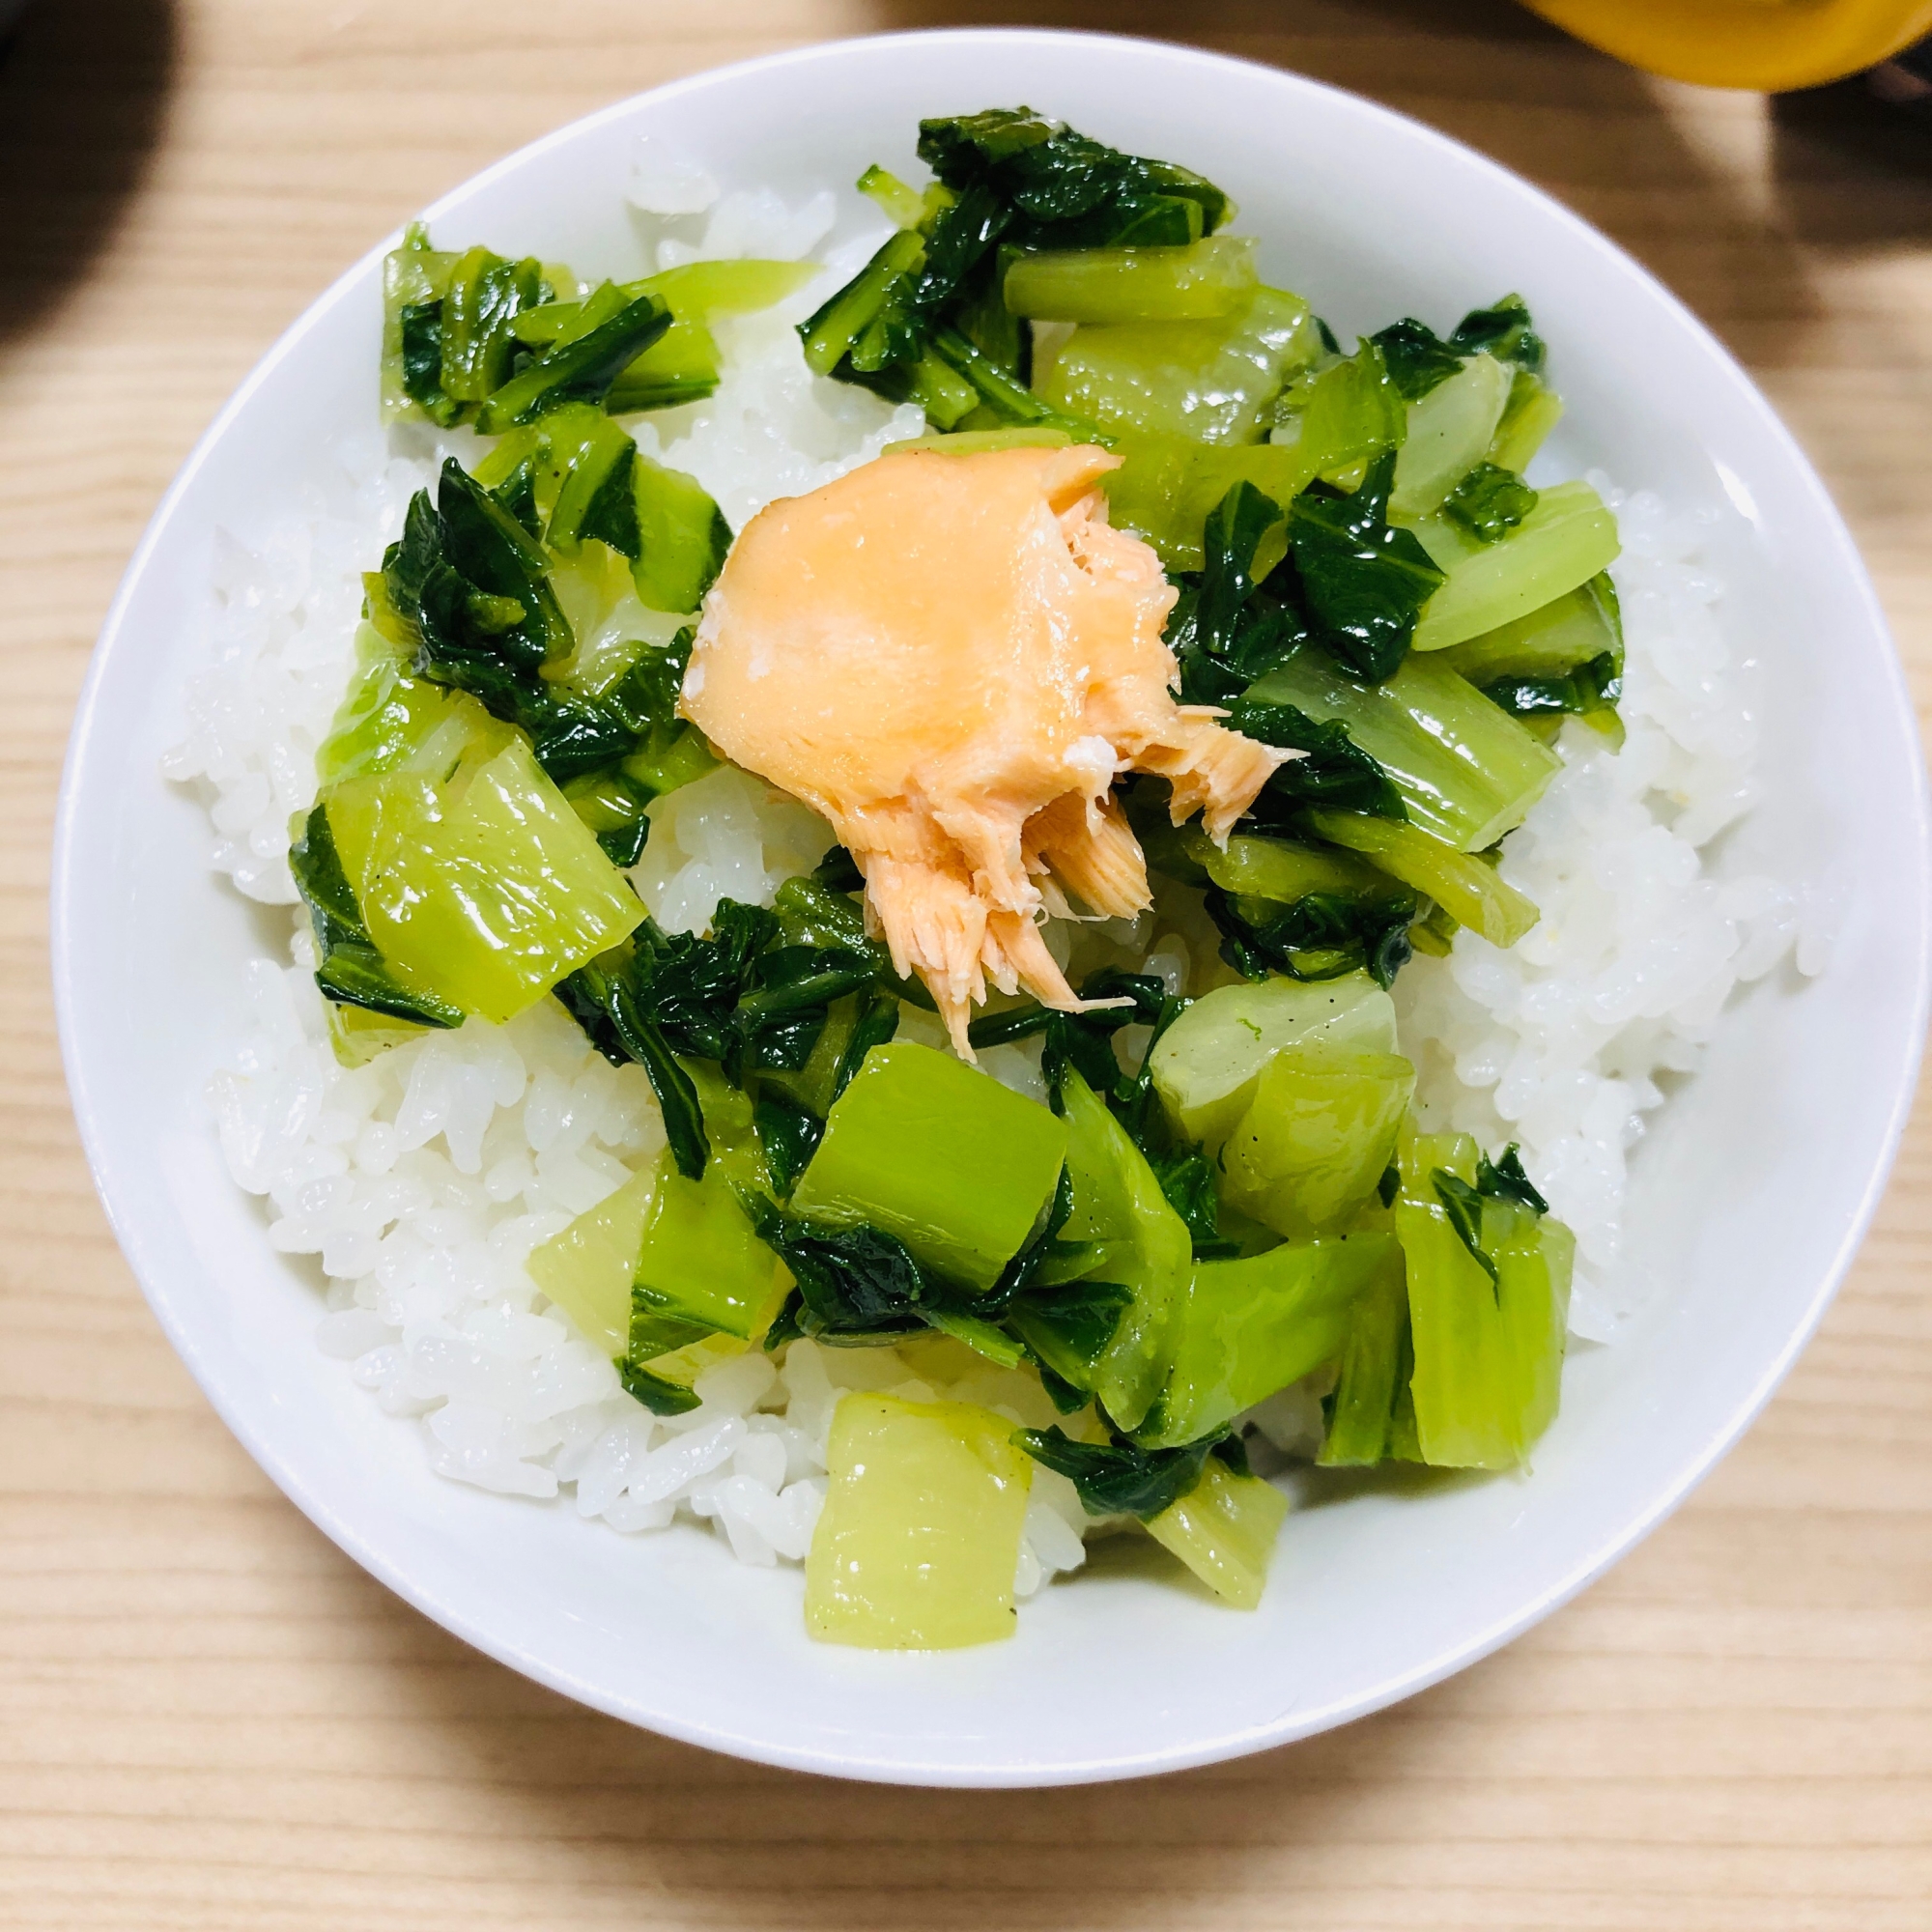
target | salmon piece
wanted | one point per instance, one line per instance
(952, 658)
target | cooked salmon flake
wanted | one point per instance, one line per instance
(951, 659)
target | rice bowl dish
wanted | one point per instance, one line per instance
(424, 1242)
(424, 1178)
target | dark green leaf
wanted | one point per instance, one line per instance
(838, 873)
(1317, 937)
(1364, 583)
(602, 1000)
(1336, 771)
(581, 371)
(422, 363)
(1418, 359)
(659, 1395)
(1596, 686)
(877, 1022)
(1504, 1179)
(789, 1134)
(1504, 331)
(1187, 1180)
(1490, 502)
(1121, 1478)
(1465, 1208)
(352, 971)
(852, 1282)
(1070, 1327)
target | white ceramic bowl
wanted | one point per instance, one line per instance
(1748, 1204)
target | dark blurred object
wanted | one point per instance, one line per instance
(1907, 81)
(83, 97)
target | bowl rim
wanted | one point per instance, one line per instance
(67, 888)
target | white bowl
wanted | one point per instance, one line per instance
(1748, 1204)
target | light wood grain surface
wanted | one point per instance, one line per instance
(209, 1718)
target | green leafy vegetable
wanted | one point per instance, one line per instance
(1463, 1206)
(468, 591)
(1319, 936)
(1504, 331)
(484, 297)
(353, 971)
(925, 319)
(580, 370)
(787, 1133)
(1119, 1478)
(1503, 1180)
(1363, 582)
(1490, 502)
(1335, 770)
(601, 998)
(658, 1393)
(1417, 357)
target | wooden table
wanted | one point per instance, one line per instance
(211, 1719)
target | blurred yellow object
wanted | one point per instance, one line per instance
(1773, 44)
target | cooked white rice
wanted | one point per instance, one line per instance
(423, 1181)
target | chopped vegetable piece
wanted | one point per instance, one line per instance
(1463, 885)
(1068, 1329)
(1121, 1477)
(1197, 283)
(415, 277)
(682, 365)
(1270, 868)
(1316, 1137)
(390, 721)
(1419, 361)
(484, 296)
(904, 206)
(701, 1268)
(1167, 488)
(1565, 541)
(921, 1532)
(358, 1034)
(1334, 770)
(1489, 503)
(1565, 633)
(1224, 1529)
(1374, 1376)
(580, 370)
(939, 1154)
(1449, 431)
(1487, 1326)
(1067, 190)
(587, 1271)
(1503, 330)
(1207, 1063)
(1344, 418)
(1209, 382)
(1133, 1238)
(482, 891)
(682, 537)
(1364, 582)
(350, 971)
(1249, 1327)
(1466, 773)
(1533, 410)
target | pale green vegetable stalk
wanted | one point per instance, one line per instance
(1197, 283)
(1467, 887)
(1564, 542)
(1449, 431)
(1468, 771)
